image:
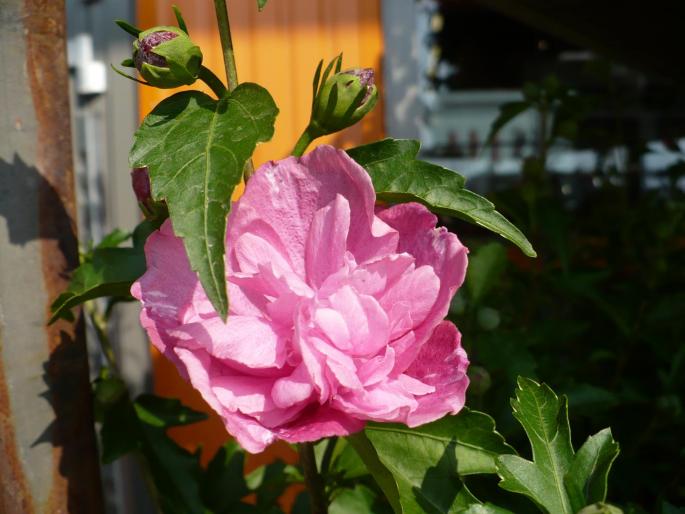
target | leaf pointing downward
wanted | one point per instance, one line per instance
(195, 149)
(398, 176)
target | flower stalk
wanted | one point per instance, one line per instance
(226, 43)
(229, 61)
(312, 479)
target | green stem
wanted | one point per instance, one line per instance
(312, 479)
(226, 43)
(328, 455)
(208, 77)
(100, 326)
(309, 135)
(229, 61)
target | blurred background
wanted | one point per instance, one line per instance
(568, 114)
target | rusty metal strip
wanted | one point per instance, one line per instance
(57, 471)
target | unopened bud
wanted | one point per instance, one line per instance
(344, 99)
(600, 508)
(140, 180)
(166, 57)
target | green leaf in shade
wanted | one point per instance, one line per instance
(486, 265)
(109, 272)
(261, 4)
(195, 149)
(224, 482)
(114, 239)
(398, 176)
(425, 463)
(507, 112)
(140, 426)
(586, 479)
(359, 500)
(381, 474)
(165, 412)
(544, 417)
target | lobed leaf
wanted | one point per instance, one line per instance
(195, 148)
(398, 176)
(544, 417)
(586, 479)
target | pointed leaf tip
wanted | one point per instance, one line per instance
(398, 176)
(211, 166)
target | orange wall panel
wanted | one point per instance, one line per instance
(278, 48)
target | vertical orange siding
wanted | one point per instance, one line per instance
(278, 48)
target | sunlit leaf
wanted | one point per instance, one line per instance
(195, 149)
(398, 176)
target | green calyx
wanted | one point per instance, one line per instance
(343, 100)
(166, 57)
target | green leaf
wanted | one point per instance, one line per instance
(486, 508)
(110, 272)
(426, 462)
(224, 484)
(261, 4)
(544, 417)
(176, 472)
(195, 149)
(486, 265)
(114, 239)
(165, 412)
(399, 177)
(347, 461)
(586, 479)
(381, 474)
(507, 112)
(105, 271)
(470, 434)
(353, 501)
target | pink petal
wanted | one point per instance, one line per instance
(293, 389)
(327, 240)
(249, 342)
(430, 246)
(321, 422)
(442, 363)
(250, 434)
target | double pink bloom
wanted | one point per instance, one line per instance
(336, 308)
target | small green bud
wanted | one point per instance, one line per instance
(344, 99)
(600, 508)
(166, 57)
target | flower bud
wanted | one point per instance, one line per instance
(600, 508)
(166, 57)
(344, 99)
(140, 180)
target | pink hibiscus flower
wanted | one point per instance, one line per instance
(336, 308)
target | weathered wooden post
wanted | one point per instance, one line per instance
(48, 458)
